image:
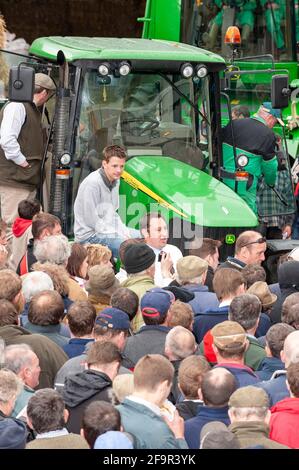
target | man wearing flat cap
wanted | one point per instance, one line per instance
(191, 274)
(250, 416)
(21, 149)
(229, 345)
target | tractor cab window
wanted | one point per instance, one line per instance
(266, 27)
(149, 114)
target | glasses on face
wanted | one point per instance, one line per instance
(259, 240)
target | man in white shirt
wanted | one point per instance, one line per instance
(155, 232)
(21, 149)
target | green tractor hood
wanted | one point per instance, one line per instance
(186, 191)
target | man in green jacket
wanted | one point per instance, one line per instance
(249, 415)
(139, 262)
(142, 412)
(255, 144)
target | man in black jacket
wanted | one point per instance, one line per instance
(94, 383)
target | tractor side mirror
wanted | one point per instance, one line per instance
(280, 91)
(21, 83)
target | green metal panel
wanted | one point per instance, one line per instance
(76, 48)
(202, 199)
(162, 20)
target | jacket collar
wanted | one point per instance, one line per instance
(107, 182)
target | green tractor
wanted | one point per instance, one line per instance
(159, 99)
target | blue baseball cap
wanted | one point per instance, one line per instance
(113, 318)
(156, 302)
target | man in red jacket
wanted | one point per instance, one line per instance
(285, 414)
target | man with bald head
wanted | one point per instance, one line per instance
(250, 248)
(216, 388)
(276, 387)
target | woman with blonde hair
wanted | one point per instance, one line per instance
(98, 254)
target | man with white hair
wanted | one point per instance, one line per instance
(33, 283)
(53, 249)
(276, 387)
(179, 344)
(56, 249)
(20, 359)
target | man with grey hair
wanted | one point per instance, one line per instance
(53, 249)
(33, 283)
(276, 387)
(20, 359)
(13, 433)
(56, 249)
(246, 309)
(250, 415)
(179, 344)
(191, 274)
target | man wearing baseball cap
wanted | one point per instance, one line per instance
(150, 339)
(21, 149)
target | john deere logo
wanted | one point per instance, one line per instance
(230, 239)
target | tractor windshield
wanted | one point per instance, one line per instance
(149, 114)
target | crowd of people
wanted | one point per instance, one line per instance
(167, 352)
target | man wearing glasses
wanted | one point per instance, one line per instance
(249, 249)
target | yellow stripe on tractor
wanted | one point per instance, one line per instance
(132, 181)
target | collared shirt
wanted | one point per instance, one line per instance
(175, 255)
(57, 433)
(14, 115)
(225, 303)
(154, 408)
